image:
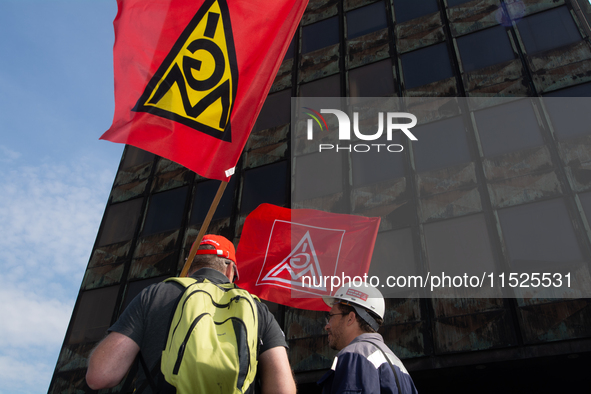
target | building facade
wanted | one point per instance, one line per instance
(500, 194)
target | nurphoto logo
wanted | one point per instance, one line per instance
(390, 119)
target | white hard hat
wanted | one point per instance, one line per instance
(360, 294)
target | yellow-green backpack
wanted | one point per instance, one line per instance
(212, 341)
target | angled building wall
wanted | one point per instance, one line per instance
(438, 202)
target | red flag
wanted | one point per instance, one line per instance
(295, 256)
(191, 75)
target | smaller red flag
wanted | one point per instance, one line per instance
(295, 257)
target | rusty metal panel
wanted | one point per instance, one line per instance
(443, 180)
(259, 139)
(266, 155)
(402, 310)
(580, 278)
(495, 75)
(472, 16)
(351, 4)
(219, 226)
(511, 88)
(429, 109)
(133, 174)
(533, 6)
(102, 276)
(106, 266)
(318, 10)
(300, 323)
(555, 321)
(320, 63)
(170, 175)
(444, 88)
(155, 244)
(560, 57)
(153, 265)
(131, 182)
(330, 203)
(110, 254)
(515, 164)
(449, 204)
(69, 383)
(448, 307)
(527, 188)
(474, 332)
(576, 154)
(283, 78)
(74, 357)
(128, 191)
(380, 198)
(368, 48)
(310, 354)
(154, 255)
(421, 32)
(405, 340)
(561, 77)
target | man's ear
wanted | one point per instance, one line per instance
(351, 318)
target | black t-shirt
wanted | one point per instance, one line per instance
(147, 317)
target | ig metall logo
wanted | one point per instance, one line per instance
(387, 122)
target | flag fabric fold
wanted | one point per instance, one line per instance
(295, 257)
(192, 75)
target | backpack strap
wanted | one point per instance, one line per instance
(389, 362)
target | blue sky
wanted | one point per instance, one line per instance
(56, 84)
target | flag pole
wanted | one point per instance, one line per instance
(204, 226)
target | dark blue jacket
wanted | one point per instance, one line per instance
(362, 368)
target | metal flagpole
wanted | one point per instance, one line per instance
(204, 226)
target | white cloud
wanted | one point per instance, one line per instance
(7, 155)
(49, 218)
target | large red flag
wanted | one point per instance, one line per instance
(191, 75)
(295, 256)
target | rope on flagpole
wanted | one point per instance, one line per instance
(204, 226)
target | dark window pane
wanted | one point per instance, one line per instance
(134, 288)
(426, 65)
(325, 87)
(453, 3)
(320, 35)
(507, 128)
(291, 49)
(93, 315)
(485, 48)
(583, 90)
(318, 174)
(393, 255)
(135, 156)
(548, 30)
(539, 235)
(165, 211)
(371, 167)
(275, 112)
(366, 20)
(570, 116)
(373, 80)
(205, 193)
(265, 184)
(440, 144)
(120, 222)
(459, 246)
(406, 10)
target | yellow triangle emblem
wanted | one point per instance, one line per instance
(196, 83)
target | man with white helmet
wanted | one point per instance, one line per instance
(364, 363)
